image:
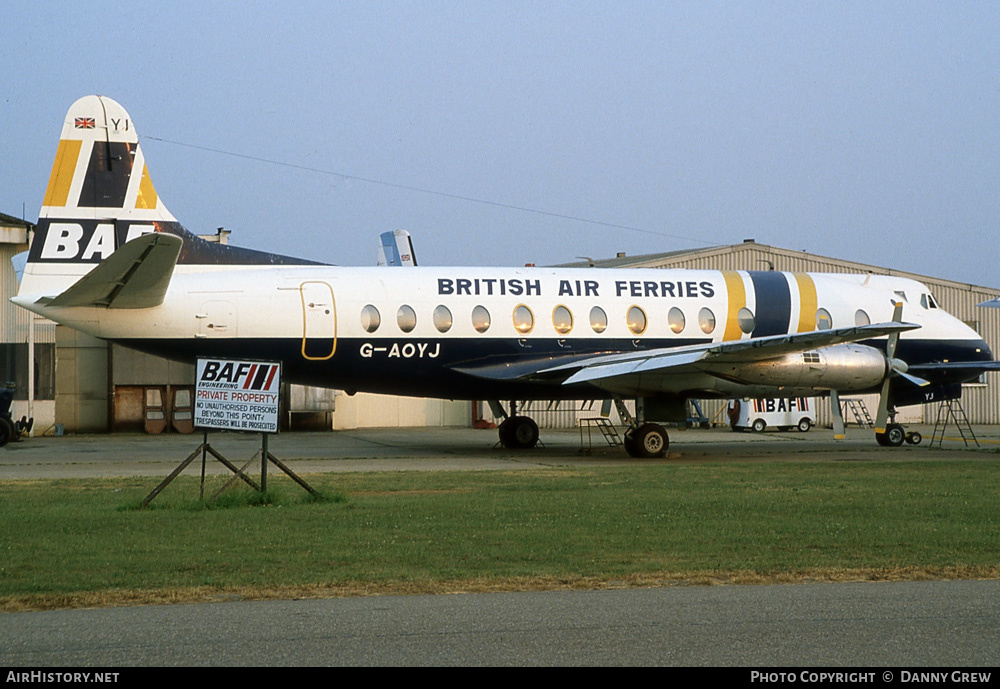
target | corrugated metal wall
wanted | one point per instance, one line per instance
(14, 320)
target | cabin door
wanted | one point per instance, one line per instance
(319, 320)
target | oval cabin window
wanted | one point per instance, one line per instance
(636, 320)
(598, 319)
(706, 321)
(370, 318)
(480, 319)
(675, 319)
(442, 318)
(562, 319)
(524, 319)
(406, 318)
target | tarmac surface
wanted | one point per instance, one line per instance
(437, 449)
(861, 625)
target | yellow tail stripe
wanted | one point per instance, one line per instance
(146, 198)
(807, 302)
(62, 172)
(737, 300)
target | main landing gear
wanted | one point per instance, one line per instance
(516, 432)
(647, 441)
(895, 435)
(642, 440)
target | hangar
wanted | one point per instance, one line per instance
(86, 385)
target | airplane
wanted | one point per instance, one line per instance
(395, 249)
(110, 260)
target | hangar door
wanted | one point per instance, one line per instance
(319, 320)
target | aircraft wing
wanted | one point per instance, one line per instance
(615, 365)
(958, 366)
(136, 276)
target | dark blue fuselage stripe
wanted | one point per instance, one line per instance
(774, 302)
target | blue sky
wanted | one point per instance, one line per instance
(500, 133)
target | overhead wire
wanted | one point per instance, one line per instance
(434, 192)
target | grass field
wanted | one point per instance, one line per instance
(83, 542)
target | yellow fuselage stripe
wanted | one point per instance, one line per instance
(807, 302)
(62, 172)
(737, 300)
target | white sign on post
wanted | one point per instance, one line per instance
(237, 395)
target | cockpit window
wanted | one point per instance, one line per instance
(931, 301)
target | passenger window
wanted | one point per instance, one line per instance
(524, 319)
(480, 319)
(861, 318)
(562, 319)
(824, 321)
(706, 320)
(370, 318)
(675, 319)
(406, 318)
(598, 319)
(442, 318)
(636, 320)
(746, 320)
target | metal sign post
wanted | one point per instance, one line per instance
(236, 395)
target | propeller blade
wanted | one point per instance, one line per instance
(838, 416)
(897, 317)
(893, 366)
(916, 380)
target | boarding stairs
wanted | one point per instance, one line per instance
(952, 409)
(603, 424)
(859, 411)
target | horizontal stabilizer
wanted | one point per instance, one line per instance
(134, 277)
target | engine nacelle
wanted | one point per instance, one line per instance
(846, 367)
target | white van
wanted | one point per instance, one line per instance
(783, 413)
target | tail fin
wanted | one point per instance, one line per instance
(100, 196)
(396, 249)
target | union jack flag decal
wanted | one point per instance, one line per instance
(84, 123)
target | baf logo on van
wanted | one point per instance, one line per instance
(782, 404)
(407, 350)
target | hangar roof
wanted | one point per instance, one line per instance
(11, 221)
(750, 255)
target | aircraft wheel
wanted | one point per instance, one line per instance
(649, 441)
(759, 426)
(518, 433)
(805, 425)
(914, 438)
(893, 437)
(503, 432)
(629, 442)
(7, 431)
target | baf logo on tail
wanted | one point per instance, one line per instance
(237, 395)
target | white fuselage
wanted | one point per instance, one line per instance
(405, 330)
